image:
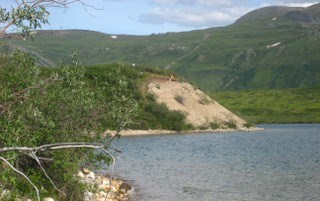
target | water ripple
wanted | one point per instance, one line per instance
(280, 163)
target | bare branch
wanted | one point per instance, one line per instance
(35, 157)
(5, 28)
(111, 155)
(55, 146)
(31, 151)
(25, 176)
(54, 3)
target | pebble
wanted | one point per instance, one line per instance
(91, 175)
(86, 171)
(108, 189)
(88, 196)
(81, 175)
(48, 199)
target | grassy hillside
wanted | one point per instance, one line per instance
(274, 106)
(273, 47)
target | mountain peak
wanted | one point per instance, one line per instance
(301, 15)
(265, 13)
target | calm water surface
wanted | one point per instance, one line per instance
(280, 163)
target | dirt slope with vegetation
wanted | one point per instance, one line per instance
(200, 109)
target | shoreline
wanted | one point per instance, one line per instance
(128, 132)
(104, 188)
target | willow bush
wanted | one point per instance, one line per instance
(42, 106)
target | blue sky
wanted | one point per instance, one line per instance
(143, 17)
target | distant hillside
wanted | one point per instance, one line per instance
(274, 106)
(302, 16)
(272, 47)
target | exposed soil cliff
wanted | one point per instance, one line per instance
(200, 109)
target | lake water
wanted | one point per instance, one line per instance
(280, 163)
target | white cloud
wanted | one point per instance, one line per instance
(187, 17)
(207, 13)
(301, 2)
(297, 4)
(294, 3)
(194, 13)
(192, 2)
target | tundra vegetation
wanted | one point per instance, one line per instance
(234, 57)
(299, 105)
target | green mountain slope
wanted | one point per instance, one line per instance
(274, 106)
(272, 47)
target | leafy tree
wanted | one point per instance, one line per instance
(25, 16)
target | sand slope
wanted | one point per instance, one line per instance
(200, 108)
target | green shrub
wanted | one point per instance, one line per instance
(159, 116)
(151, 97)
(203, 127)
(248, 125)
(231, 124)
(41, 106)
(214, 125)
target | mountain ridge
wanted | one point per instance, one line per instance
(274, 52)
(309, 15)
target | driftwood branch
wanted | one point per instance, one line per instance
(25, 176)
(55, 146)
(32, 151)
(36, 158)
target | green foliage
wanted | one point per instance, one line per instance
(158, 116)
(231, 124)
(214, 125)
(274, 106)
(67, 104)
(249, 125)
(118, 84)
(151, 97)
(24, 18)
(210, 125)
